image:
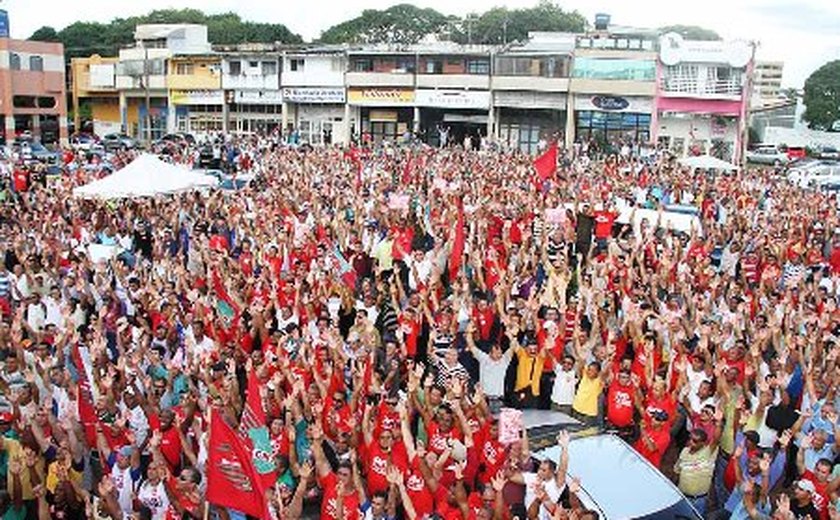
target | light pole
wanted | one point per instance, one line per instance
(148, 123)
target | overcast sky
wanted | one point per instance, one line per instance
(802, 33)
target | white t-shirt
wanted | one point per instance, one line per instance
(492, 372)
(551, 489)
(563, 392)
(154, 497)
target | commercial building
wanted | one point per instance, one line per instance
(613, 85)
(195, 93)
(314, 98)
(95, 94)
(251, 82)
(702, 97)
(530, 90)
(767, 84)
(32, 90)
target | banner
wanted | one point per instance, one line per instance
(252, 426)
(510, 425)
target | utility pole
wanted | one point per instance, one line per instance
(148, 122)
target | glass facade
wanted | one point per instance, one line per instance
(608, 68)
(610, 127)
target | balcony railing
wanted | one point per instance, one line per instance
(720, 87)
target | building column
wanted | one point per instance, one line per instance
(347, 121)
(36, 126)
(225, 115)
(415, 123)
(123, 112)
(9, 122)
(171, 115)
(491, 122)
(284, 116)
(570, 121)
(63, 135)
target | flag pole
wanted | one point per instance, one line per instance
(209, 419)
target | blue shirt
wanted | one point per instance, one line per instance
(777, 467)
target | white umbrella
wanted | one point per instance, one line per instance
(707, 162)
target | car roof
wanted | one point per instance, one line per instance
(615, 478)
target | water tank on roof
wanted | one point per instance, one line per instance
(602, 21)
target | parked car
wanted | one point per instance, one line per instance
(601, 462)
(795, 153)
(82, 142)
(31, 150)
(767, 155)
(814, 174)
(828, 152)
(119, 142)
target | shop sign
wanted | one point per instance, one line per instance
(197, 97)
(258, 97)
(453, 99)
(610, 103)
(381, 96)
(314, 95)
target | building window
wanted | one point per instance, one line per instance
(46, 102)
(478, 67)
(405, 64)
(36, 63)
(296, 64)
(269, 68)
(363, 65)
(14, 61)
(184, 69)
(596, 68)
(434, 67)
(235, 68)
(24, 101)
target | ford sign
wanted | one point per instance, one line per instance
(610, 102)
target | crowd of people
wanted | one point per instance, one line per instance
(364, 314)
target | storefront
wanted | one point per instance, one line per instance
(457, 113)
(609, 120)
(255, 110)
(527, 117)
(383, 114)
(699, 127)
(197, 111)
(317, 113)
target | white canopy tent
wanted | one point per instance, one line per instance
(707, 162)
(145, 176)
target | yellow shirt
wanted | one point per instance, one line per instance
(695, 470)
(529, 371)
(15, 450)
(586, 397)
(52, 476)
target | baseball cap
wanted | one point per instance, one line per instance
(6, 417)
(806, 485)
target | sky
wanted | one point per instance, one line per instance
(803, 34)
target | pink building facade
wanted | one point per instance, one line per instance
(702, 96)
(33, 100)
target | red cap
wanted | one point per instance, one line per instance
(6, 417)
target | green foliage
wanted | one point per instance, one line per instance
(85, 38)
(45, 34)
(822, 97)
(401, 23)
(406, 24)
(691, 32)
(501, 25)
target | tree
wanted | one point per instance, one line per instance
(401, 24)
(84, 38)
(45, 34)
(691, 32)
(822, 97)
(500, 25)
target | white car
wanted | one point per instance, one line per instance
(814, 174)
(767, 155)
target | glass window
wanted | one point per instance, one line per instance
(600, 68)
(253, 64)
(183, 69)
(296, 64)
(269, 68)
(14, 61)
(363, 65)
(629, 120)
(405, 63)
(478, 67)
(235, 68)
(36, 63)
(434, 67)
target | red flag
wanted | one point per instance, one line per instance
(232, 480)
(87, 412)
(546, 164)
(457, 254)
(253, 428)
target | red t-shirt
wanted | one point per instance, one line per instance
(377, 462)
(603, 223)
(821, 498)
(661, 439)
(620, 404)
(329, 502)
(421, 496)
